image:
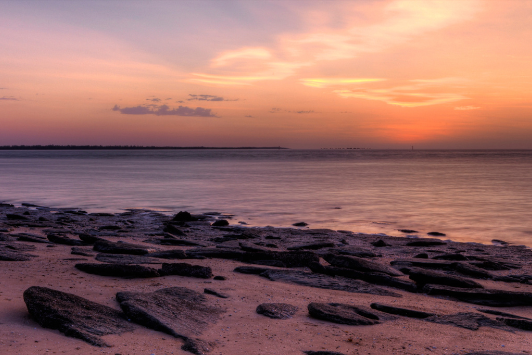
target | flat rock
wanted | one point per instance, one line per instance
(178, 311)
(523, 324)
(467, 320)
(104, 246)
(184, 269)
(252, 270)
(118, 270)
(360, 264)
(425, 243)
(168, 254)
(57, 239)
(197, 346)
(342, 314)
(126, 259)
(423, 277)
(326, 282)
(353, 251)
(13, 255)
(82, 251)
(288, 258)
(499, 313)
(277, 310)
(176, 242)
(485, 297)
(74, 316)
(24, 237)
(210, 291)
(401, 311)
(312, 246)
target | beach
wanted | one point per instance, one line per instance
(357, 277)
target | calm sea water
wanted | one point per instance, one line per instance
(469, 195)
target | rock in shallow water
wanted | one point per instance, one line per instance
(74, 316)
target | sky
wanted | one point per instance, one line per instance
(433, 74)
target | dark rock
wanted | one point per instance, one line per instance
(88, 238)
(499, 242)
(436, 234)
(64, 240)
(325, 282)
(401, 311)
(277, 310)
(484, 297)
(210, 291)
(74, 316)
(351, 250)
(300, 224)
(233, 254)
(221, 223)
(272, 237)
(423, 277)
(471, 270)
(499, 313)
(495, 352)
(184, 269)
(312, 246)
(168, 254)
(18, 246)
(342, 314)
(289, 258)
(276, 263)
(309, 352)
(422, 256)
(425, 243)
(6, 238)
(252, 270)
(82, 251)
(104, 246)
(118, 270)
(408, 231)
(360, 264)
(380, 243)
(219, 278)
(184, 216)
(33, 238)
(125, 259)
(495, 265)
(250, 247)
(178, 311)
(177, 242)
(16, 217)
(173, 230)
(456, 257)
(109, 228)
(467, 320)
(523, 324)
(423, 263)
(11, 255)
(197, 346)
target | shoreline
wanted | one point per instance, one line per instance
(306, 268)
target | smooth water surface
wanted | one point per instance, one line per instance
(469, 195)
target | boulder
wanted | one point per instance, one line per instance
(184, 216)
(74, 316)
(277, 310)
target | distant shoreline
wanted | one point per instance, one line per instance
(115, 147)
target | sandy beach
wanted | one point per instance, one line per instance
(273, 265)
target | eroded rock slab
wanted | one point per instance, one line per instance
(118, 270)
(401, 311)
(126, 259)
(104, 246)
(74, 316)
(467, 320)
(485, 297)
(342, 314)
(277, 310)
(424, 277)
(13, 255)
(184, 269)
(360, 264)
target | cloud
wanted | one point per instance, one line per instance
(207, 98)
(305, 112)
(9, 98)
(326, 82)
(156, 99)
(465, 108)
(249, 116)
(164, 110)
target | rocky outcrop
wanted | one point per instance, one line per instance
(277, 310)
(360, 264)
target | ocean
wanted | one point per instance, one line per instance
(472, 196)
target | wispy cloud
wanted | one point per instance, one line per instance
(466, 108)
(326, 82)
(164, 110)
(9, 98)
(208, 98)
(155, 99)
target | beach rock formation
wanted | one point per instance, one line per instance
(277, 310)
(118, 270)
(342, 314)
(184, 269)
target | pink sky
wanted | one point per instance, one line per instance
(378, 74)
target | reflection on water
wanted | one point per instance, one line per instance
(470, 195)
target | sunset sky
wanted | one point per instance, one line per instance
(301, 74)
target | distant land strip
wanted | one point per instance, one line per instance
(116, 147)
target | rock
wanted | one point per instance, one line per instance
(220, 223)
(380, 243)
(408, 231)
(471, 270)
(125, 259)
(342, 314)
(422, 256)
(82, 251)
(277, 310)
(197, 346)
(276, 263)
(33, 238)
(64, 240)
(455, 256)
(252, 270)
(495, 265)
(232, 254)
(401, 311)
(467, 320)
(173, 230)
(175, 241)
(219, 278)
(312, 246)
(16, 217)
(300, 224)
(210, 291)
(184, 269)
(353, 251)
(360, 264)
(11, 255)
(425, 243)
(326, 282)
(485, 297)
(495, 352)
(309, 352)
(104, 246)
(423, 277)
(118, 270)
(168, 254)
(499, 242)
(88, 238)
(436, 234)
(17, 246)
(109, 228)
(523, 324)
(499, 313)
(250, 247)
(74, 316)
(178, 311)
(184, 216)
